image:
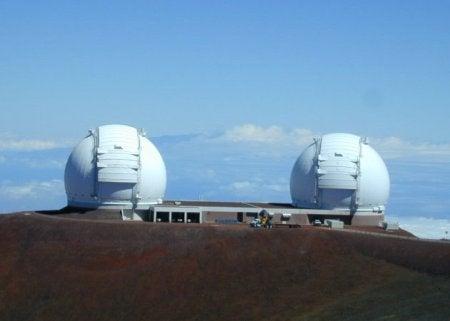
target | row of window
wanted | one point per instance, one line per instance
(175, 217)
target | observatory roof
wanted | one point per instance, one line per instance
(228, 204)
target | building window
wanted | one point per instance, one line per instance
(177, 217)
(193, 217)
(162, 217)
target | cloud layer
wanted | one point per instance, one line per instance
(395, 147)
(269, 135)
(31, 189)
(11, 143)
(388, 147)
(33, 194)
(427, 227)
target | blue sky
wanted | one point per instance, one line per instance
(375, 67)
(193, 70)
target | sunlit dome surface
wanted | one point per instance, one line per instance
(115, 166)
(340, 171)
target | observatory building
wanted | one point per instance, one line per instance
(338, 176)
(115, 166)
(340, 172)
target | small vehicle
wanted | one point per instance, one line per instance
(255, 223)
(317, 223)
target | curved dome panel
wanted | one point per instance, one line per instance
(115, 166)
(340, 171)
(374, 182)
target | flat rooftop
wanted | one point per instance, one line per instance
(226, 204)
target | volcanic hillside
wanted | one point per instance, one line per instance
(54, 268)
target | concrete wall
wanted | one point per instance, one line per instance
(367, 220)
(213, 217)
(245, 215)
(300, 219)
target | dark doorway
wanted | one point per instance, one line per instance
(162, 217)
(240, 217)
(177, 217)
(193, 217)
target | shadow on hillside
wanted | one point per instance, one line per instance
(66, 210)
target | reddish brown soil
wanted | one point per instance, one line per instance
(375, 229)
(54, 268)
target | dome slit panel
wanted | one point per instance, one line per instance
(117, 155)
(112, 169)
(337, 163)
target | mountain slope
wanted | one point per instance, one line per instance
(58, 268)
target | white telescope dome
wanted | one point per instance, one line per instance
(115, 166)
(341, 172)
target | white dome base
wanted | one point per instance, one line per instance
(112, 205)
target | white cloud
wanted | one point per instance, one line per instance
(27, 144)
(284, 188)
(395, 147)
(11, 143)
(425, 227)
(388, 147)
(42, 163)
(253, 133)
(33, 190)
(270, 135)
(257, 187)
(302, 136)
(242, 187)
